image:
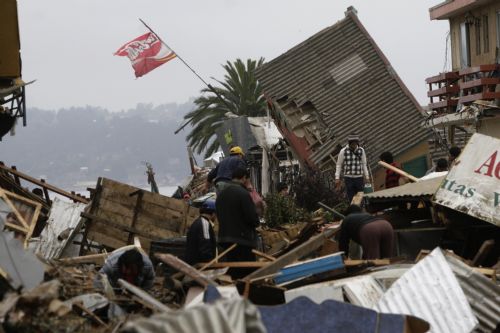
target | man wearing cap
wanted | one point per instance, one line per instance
(351, 162)
(200, 241)
(223, 172)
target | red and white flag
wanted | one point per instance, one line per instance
(146, 53)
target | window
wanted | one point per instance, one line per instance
(464, 45)
(477, 25)
(486, 34)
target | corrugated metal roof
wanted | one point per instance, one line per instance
(430, 291)
(63, 222)
(342, 76)
(482, 294)
(422, 188)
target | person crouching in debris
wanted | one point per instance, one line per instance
(374, 234)
(132, 266)
(237, 218)
(201, 244)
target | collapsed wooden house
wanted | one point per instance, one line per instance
(337, 82)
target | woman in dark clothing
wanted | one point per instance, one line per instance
(374, 234)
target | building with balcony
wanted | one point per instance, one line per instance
(466, 99)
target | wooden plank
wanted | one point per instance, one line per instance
(238, 264)
(185, 268)
(357, 199)
(483, 252)
(90, 314)
(43, 184)
(126, 207)
(97, 259)
(120, 192)
(398, 171)
(263, 255)
(297, 253)
(144, 296)
(137, 210)
(120, 226)
(218, 257)
(147, 227)
(371, 262)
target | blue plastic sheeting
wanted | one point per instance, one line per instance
(308, 268)
(302, 315)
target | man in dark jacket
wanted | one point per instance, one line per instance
(221, 175)
(201, 243)
(374, 234)
(237, 218)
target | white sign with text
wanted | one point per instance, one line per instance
(473, 184)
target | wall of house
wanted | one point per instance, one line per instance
(490, 127)
(421, 149)
(481, 57)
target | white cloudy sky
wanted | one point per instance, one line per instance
(68, 45)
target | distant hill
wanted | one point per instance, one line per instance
(72, 147)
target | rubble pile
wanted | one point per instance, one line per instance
(49, 278)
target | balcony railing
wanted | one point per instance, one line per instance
(447, 90)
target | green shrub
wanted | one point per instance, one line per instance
(282, 210)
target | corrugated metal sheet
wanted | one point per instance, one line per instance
(482, 294)
(422, 188)
(343, 77)
(63, 222)
(363, 291)
(430, 291)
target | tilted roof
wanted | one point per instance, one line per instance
(335, 83)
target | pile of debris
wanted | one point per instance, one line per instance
(51, 251)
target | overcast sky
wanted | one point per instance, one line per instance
(68, 46)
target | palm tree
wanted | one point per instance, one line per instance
(240, 94)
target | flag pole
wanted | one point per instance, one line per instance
(176, 54)
(192, 70)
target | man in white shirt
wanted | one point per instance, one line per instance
(351, 162)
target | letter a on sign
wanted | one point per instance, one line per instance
(489, 164)
(146, 52)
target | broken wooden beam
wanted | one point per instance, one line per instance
(294, 255)
(97, 259)
(370, 262)
(398, 171)
(341, 216)
(43, 184)
(239, 264)
(144, 296)
(185, 268)
(216, 259)
(483, 252)
(263, 255)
